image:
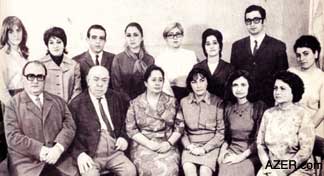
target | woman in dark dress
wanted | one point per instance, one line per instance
(129, 66)
(212, 45)
(242, 118)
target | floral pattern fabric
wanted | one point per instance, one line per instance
(157, 125)
(287, 134)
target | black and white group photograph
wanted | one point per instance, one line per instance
(161, 88)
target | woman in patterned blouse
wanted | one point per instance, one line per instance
(286, 133)
(204, 125)
(152, 125)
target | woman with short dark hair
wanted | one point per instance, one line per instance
(63, 74)
(219, 70)
(308, 49)
(153, 126)
(286, 133)
(242, 116)
(204, 125)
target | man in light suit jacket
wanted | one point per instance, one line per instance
(39, 128)
(259, 53)
(101, 137)
(96, 38)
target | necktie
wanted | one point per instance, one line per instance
(255, 47)
(103, 115)
(38, 103)
(97, 60)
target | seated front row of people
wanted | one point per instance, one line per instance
(40, 128)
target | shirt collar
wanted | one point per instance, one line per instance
(206, 99)
(33, 97)
(93, 56)
(259, 38)
(95, 99)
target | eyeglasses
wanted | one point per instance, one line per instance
(174, 36)
(255, 20)
(32, 77)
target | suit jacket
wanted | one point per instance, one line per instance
(28, 129)
(270, 58)
(87, 122)
(218, 77)
(86, 63)
(63, 80)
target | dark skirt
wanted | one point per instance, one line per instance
(247, 167)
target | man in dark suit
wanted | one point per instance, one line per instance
(100, 119)
(96, 38)
(259, 53)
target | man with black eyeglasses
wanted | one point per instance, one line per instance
(259, 53)
(39, 128)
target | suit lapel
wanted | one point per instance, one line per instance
(47, 106)
(104, 59)
(66, 64)
(88, 59)
(263, 45)
(110, 104)
(30, 105)
(87, 101)
(248, 46)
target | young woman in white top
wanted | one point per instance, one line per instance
(307, 49)
(175, 61)
(13, 56)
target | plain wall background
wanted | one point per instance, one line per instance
(286, 20)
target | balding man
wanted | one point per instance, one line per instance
(39, 128)
(101, 137)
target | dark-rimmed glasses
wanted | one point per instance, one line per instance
(32, 77)
(255, 20)
(174, 36)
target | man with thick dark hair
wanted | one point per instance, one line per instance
(259, 53)
(96, 38)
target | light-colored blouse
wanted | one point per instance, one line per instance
(11, 77)
(176, 65)
(313, 84)
(286, 134)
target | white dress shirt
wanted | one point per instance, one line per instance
(259, 38)
(93, 56)
(104, 103)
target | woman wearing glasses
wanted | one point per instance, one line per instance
(129, 66)
(175, 61)
(63, 77)
(219, 70)
(308, 49)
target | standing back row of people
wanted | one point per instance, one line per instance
(64, 74)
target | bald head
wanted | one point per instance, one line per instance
(98, 80)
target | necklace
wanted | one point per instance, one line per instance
(241, 109)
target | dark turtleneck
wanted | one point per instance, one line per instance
(57, 59)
